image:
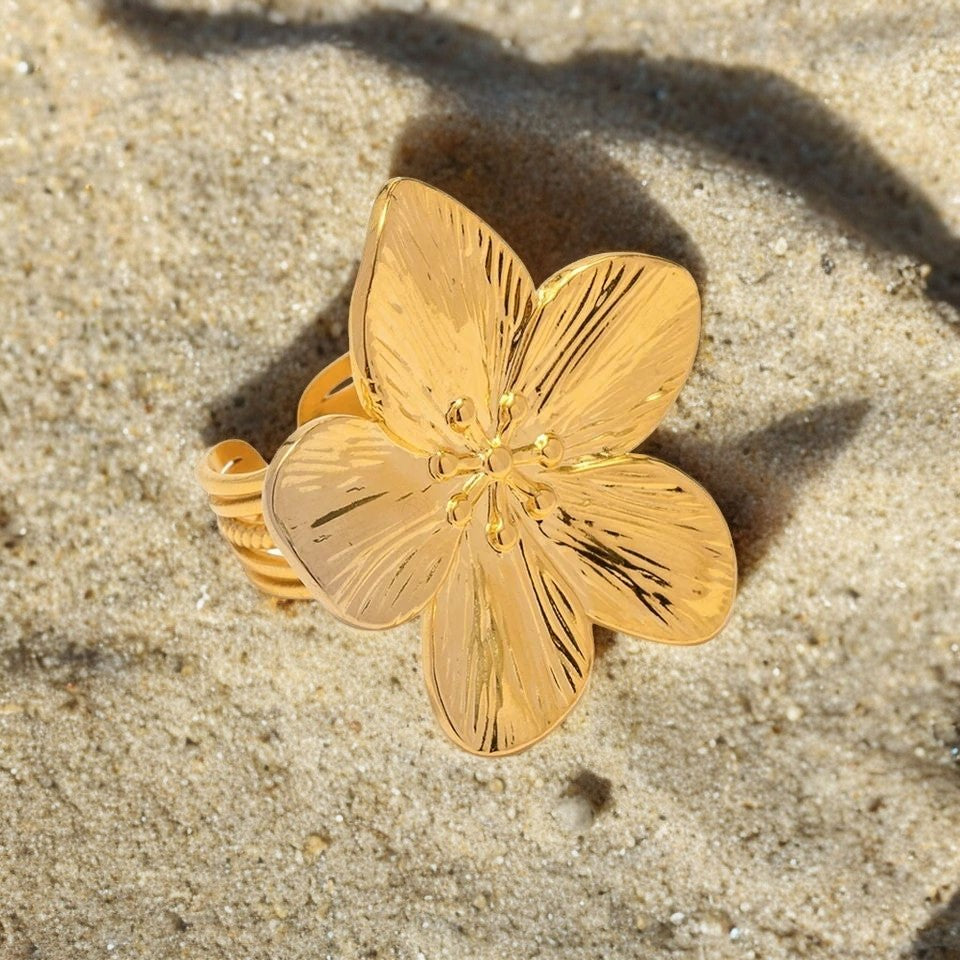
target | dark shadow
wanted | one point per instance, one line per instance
(63, 662)
(596, 790)
(604, 640)
(551, 203)
(751, 117)
(755, 479)
(263, 409)
(940, 938)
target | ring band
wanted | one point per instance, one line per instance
(232, 474)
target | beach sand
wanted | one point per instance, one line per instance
(188, 769)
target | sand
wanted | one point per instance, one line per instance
(189, 770)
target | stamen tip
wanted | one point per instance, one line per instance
(459, 510)
(461, 414)
(541, 504)
(501, 536)
(443, 465)
(550, 449)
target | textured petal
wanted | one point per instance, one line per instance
(647, 547)
(507, 649)
(436, 303)
(360, 520)
(607, 350)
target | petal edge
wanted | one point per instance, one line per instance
(610, 344)
(507, 649)
(650, 546)
(435, 307)
(360, 520)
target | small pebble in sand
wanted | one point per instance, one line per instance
(574, 813)
(314, 845)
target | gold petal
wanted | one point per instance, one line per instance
(437, 299)
(360, 520)
(607, 350)
(646, 545)
(507, 648)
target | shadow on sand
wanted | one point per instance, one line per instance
(749, 117)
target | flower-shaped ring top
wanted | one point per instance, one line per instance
(489, 483)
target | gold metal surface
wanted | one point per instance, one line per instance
(361, 520)
(479, 469)
(232, 473)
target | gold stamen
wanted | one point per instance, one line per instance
(462, 417)
(546, 450)
(502, 533)
(499, 462)
(460, 506)
(443, 465)
(461, 414)
(550, 448)
(542, 504)
(539, 500)
(512, 410)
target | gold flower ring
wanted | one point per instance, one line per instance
(470, 459)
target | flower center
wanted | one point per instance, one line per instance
(498, 463)
(491, 465)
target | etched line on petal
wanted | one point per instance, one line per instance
(345, 509)
(649, 545)
(590, 327)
